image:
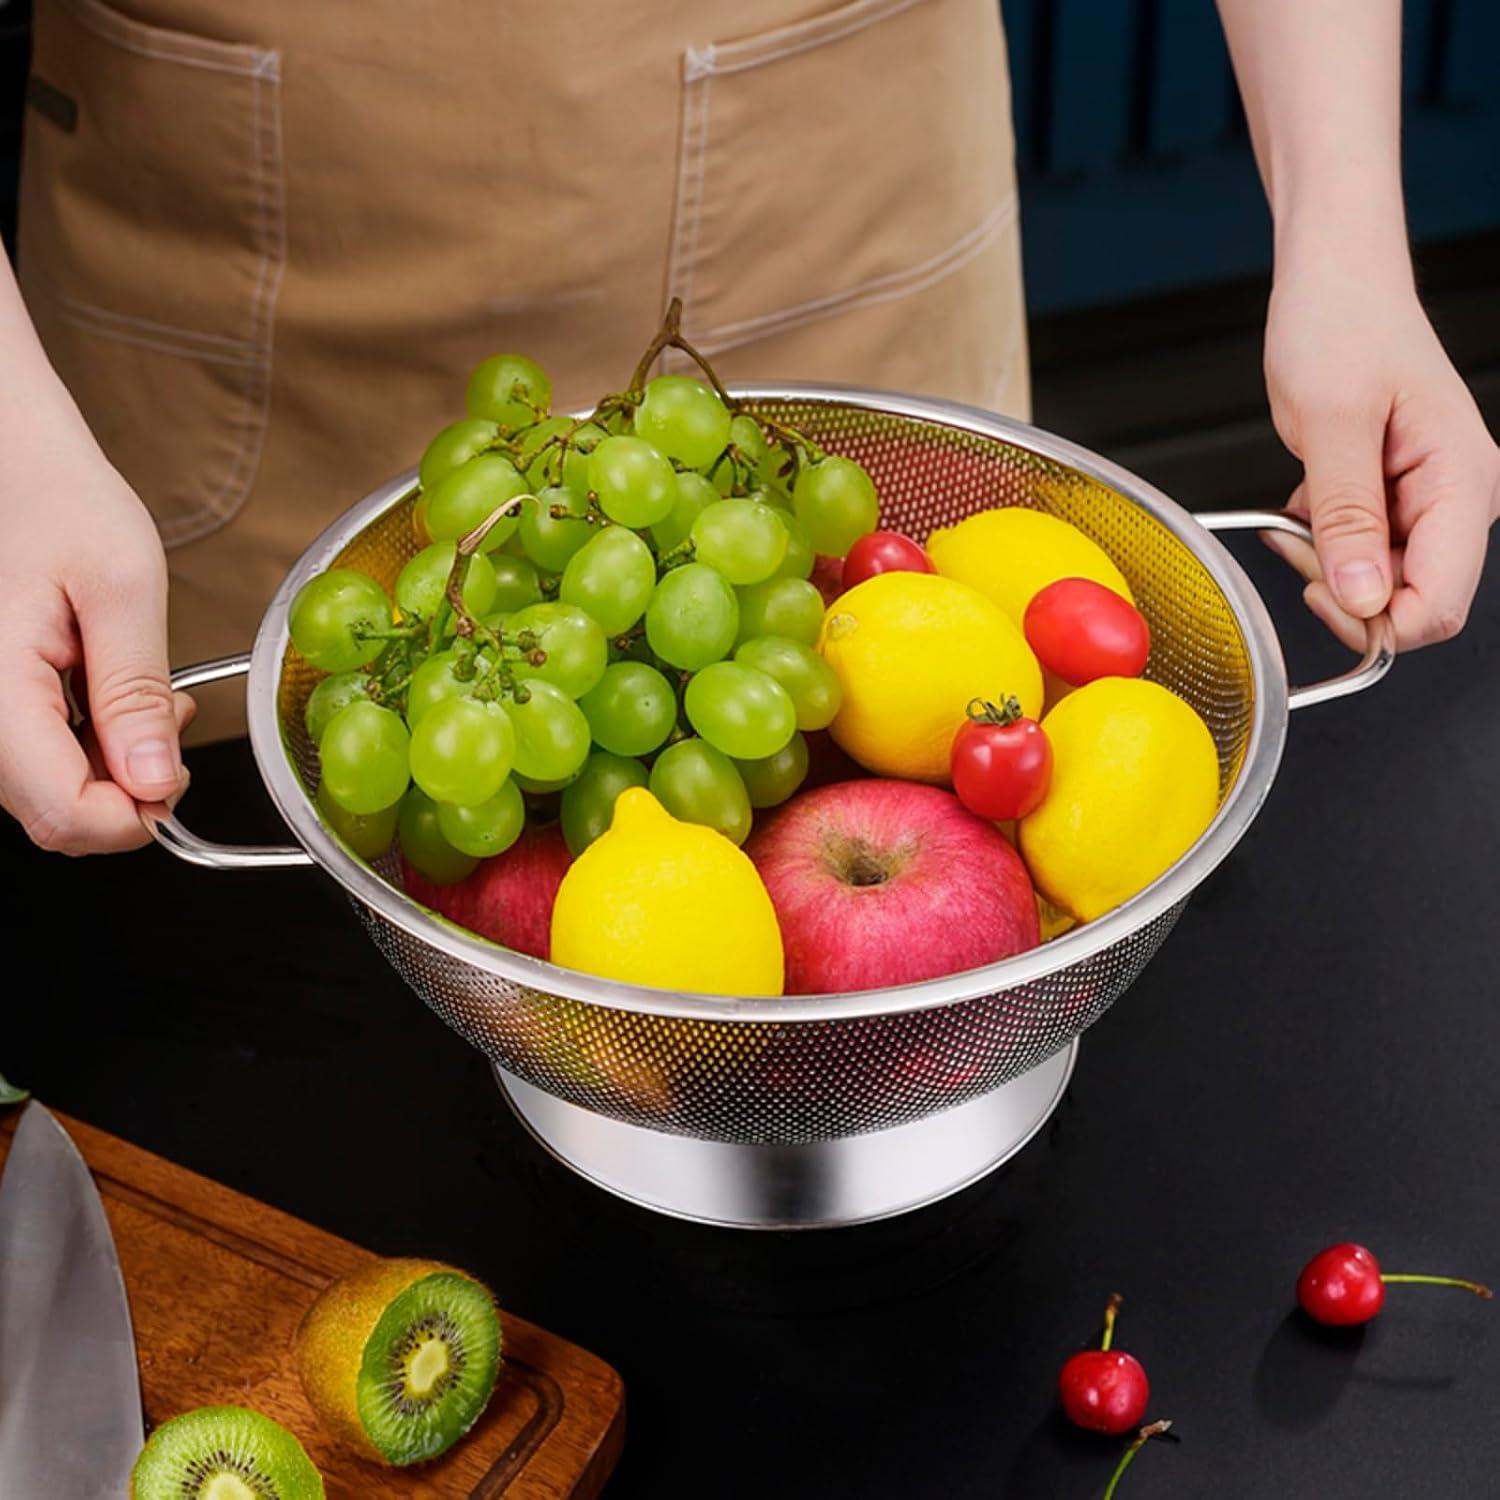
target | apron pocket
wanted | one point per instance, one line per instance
(847, 160)
(152, 243)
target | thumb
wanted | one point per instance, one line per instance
(130, 701)
(1345, 492)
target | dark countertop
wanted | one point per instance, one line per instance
(1314, 1055)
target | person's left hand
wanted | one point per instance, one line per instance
(1401, 476)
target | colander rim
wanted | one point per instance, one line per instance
(1267, 737)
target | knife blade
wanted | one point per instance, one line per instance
(70, 1401)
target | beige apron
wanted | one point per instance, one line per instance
(264, 243)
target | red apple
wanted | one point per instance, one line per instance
(888, 882)
(508, 898)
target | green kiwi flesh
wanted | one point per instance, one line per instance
(428, 1367)
(224, 1453)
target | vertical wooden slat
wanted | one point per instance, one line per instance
(1091, 84)
(1190, 106)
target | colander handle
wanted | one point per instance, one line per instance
(162, 824)
(1380, 633)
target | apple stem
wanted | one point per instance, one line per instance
(1478, 1288)
(1139, 1441)
(1111, 1311)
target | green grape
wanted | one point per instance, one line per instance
(771, 781)
(684, 419)
(432, 682)
(694, 492)
(588, 804)
(611, 577)
(692, 617)
(743, 539)
(632, 708)
(554, 526)
(746, 435)
(330, 695)
(534, 788)
(421, 586)
(798, 559)
(531, 459)
(575, 649)
(364, 758)
(511, 546)
(461, 750)
(811, 684)
(487, 828)
(369, 835)
(423, 844)
(508, 389)
(739, 710)
(463, 499)
(552, 735)
(327, 612)
(634, 483)
(454, 446)
(575, 468)
(699, 784)
(835, 499)
(781, 606)
(516, 585)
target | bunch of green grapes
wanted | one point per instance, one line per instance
(613, 601)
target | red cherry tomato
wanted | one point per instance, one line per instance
(1081, 630)
(1001, 762)
(884, 552)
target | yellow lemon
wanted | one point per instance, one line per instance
(911, 650)
(1135, 780)
(670, 904)
(1012, 553)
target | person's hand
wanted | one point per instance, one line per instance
(1401, 478)
(83, 585)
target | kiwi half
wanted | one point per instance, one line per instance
(224, 1453)
(400, 1358)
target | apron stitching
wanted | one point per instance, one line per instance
(247, 360)
(699, 174)
(878, 289)
(178, 47)
(802, 36)
(689, 191)
(187, 336)
(257, 392)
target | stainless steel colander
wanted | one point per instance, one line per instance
(783, 1091)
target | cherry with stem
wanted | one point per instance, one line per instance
(1343, 1286)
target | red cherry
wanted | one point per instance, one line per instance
(1343, 1286)
(884, 552)
(1104, 1389)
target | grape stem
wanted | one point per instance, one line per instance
(467, 547)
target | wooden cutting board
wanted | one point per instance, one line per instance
(218, 1283)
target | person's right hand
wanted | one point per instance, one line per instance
(83, 585)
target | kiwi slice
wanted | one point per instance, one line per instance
(400, 1358)
(224, 1453)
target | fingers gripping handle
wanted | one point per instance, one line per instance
(163, 825)
(1380, 634)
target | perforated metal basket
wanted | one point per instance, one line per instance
(794, 1070)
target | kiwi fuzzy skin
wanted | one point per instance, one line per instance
(330, 1344)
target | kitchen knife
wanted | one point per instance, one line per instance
(70, 1401)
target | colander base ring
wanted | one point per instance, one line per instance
(820, 1185)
